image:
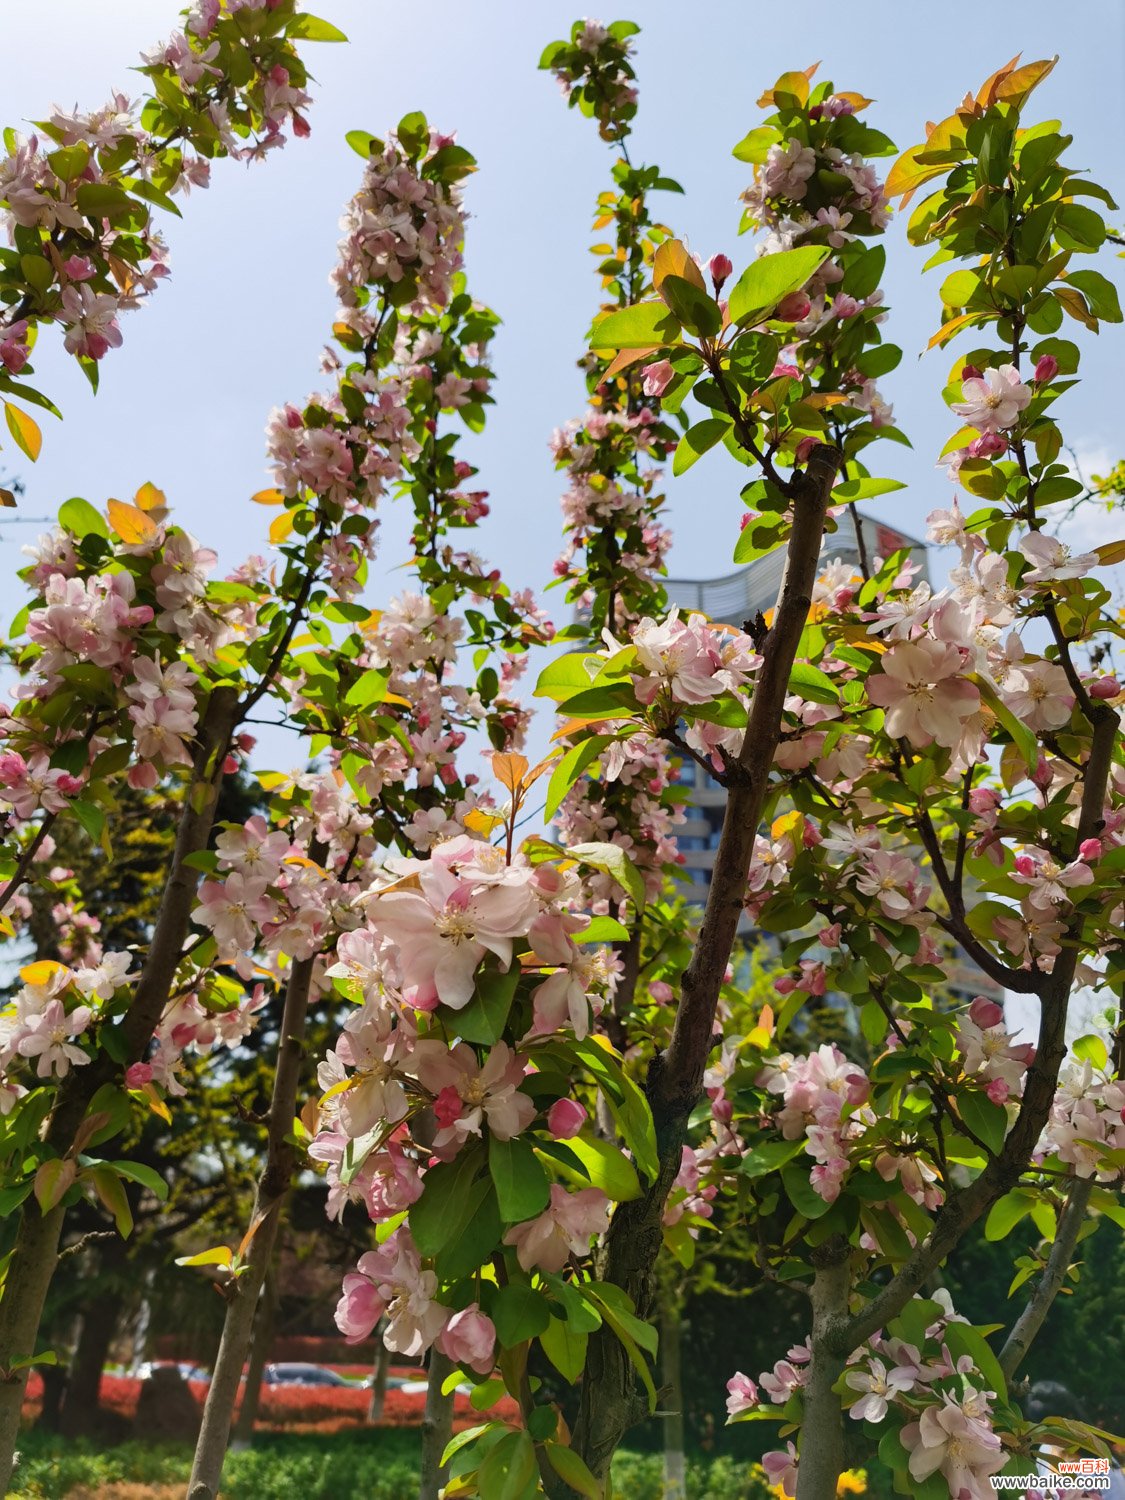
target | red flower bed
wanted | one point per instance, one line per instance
(293, 1408)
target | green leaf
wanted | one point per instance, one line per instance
(630, 1331)
(627, 1103)
(103, 200)
(565, 1347)
(522, 1187)
(371, 688)
(78, 516)
(645, 325)
(519, 1313)
(755, 146)
(614, 861)
(451, 1195)
(109, 1189)
(136, 1171)
(698, 312)
(803, 1196)
(811, 683)
(987, 1121)
(603, 930)
(1091, 1049)
(70, 162)
(566, 675)
(611, 700)
(587, 1159)
(769, 1156)
(508, 1473)
(573, 1471)
(766, 281)
(463, 1439)
(53, 1181)
(962, 1338)
(570, 768)
(864, 489)
(697, 440)
(1099, 292)
(413, 132)
(483, 1020)
(1023, 737)
(1079, 228)
(362, 142)
(313, 29)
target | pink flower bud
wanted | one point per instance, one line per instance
(970, 372)
(661, 992)
(78, 267)
(983, 800)
(804, 449)
(1090, 850)
(1025, 865)
(988, 445)
(137, 1075)
(830, 936)
(719, 267)
(793, 308)
(785, 985)
(565, 1118)
(986, 1013)
(1105, 687)
(469, 1338)
(1042, 776)
(1046, 369)
(997, 1091)
(844, 306)
(230, 765)
(781, 368)
(142, 777)
(657, 377)
(722, 1109)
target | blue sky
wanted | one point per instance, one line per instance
(238, 327)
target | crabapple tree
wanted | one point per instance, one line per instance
(545, 1069)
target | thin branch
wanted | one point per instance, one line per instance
(1048, 1286)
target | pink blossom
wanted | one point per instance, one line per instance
(719, 268)
(235, 909)
(469, 1338)
(782, 1469)
(470, 1095)
(47, 1037)
(1051, 559)
(1046, 368)
(878, 1386)
(1050, 882)
(742, 1394)
(962, 1446)
(923, 693)
(443, 929)
(993, 401)
(565, 1118)
(565, 1228)
(657, 377)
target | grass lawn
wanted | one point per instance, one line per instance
(377, 1463)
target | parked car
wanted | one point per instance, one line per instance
(298, 1374)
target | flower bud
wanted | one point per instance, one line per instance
(661, 992)
(565, 1118)
(997, 1091)
(1090, 849)
(719, 267)
(986, 1013)
(1046, 369)
(804, 449)
(657, 377)
(970, 372)
(1105, 687)
(793, 308)
(137, 1075)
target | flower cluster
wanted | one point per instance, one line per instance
(75, 196)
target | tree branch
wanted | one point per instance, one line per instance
(1047, 1288)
